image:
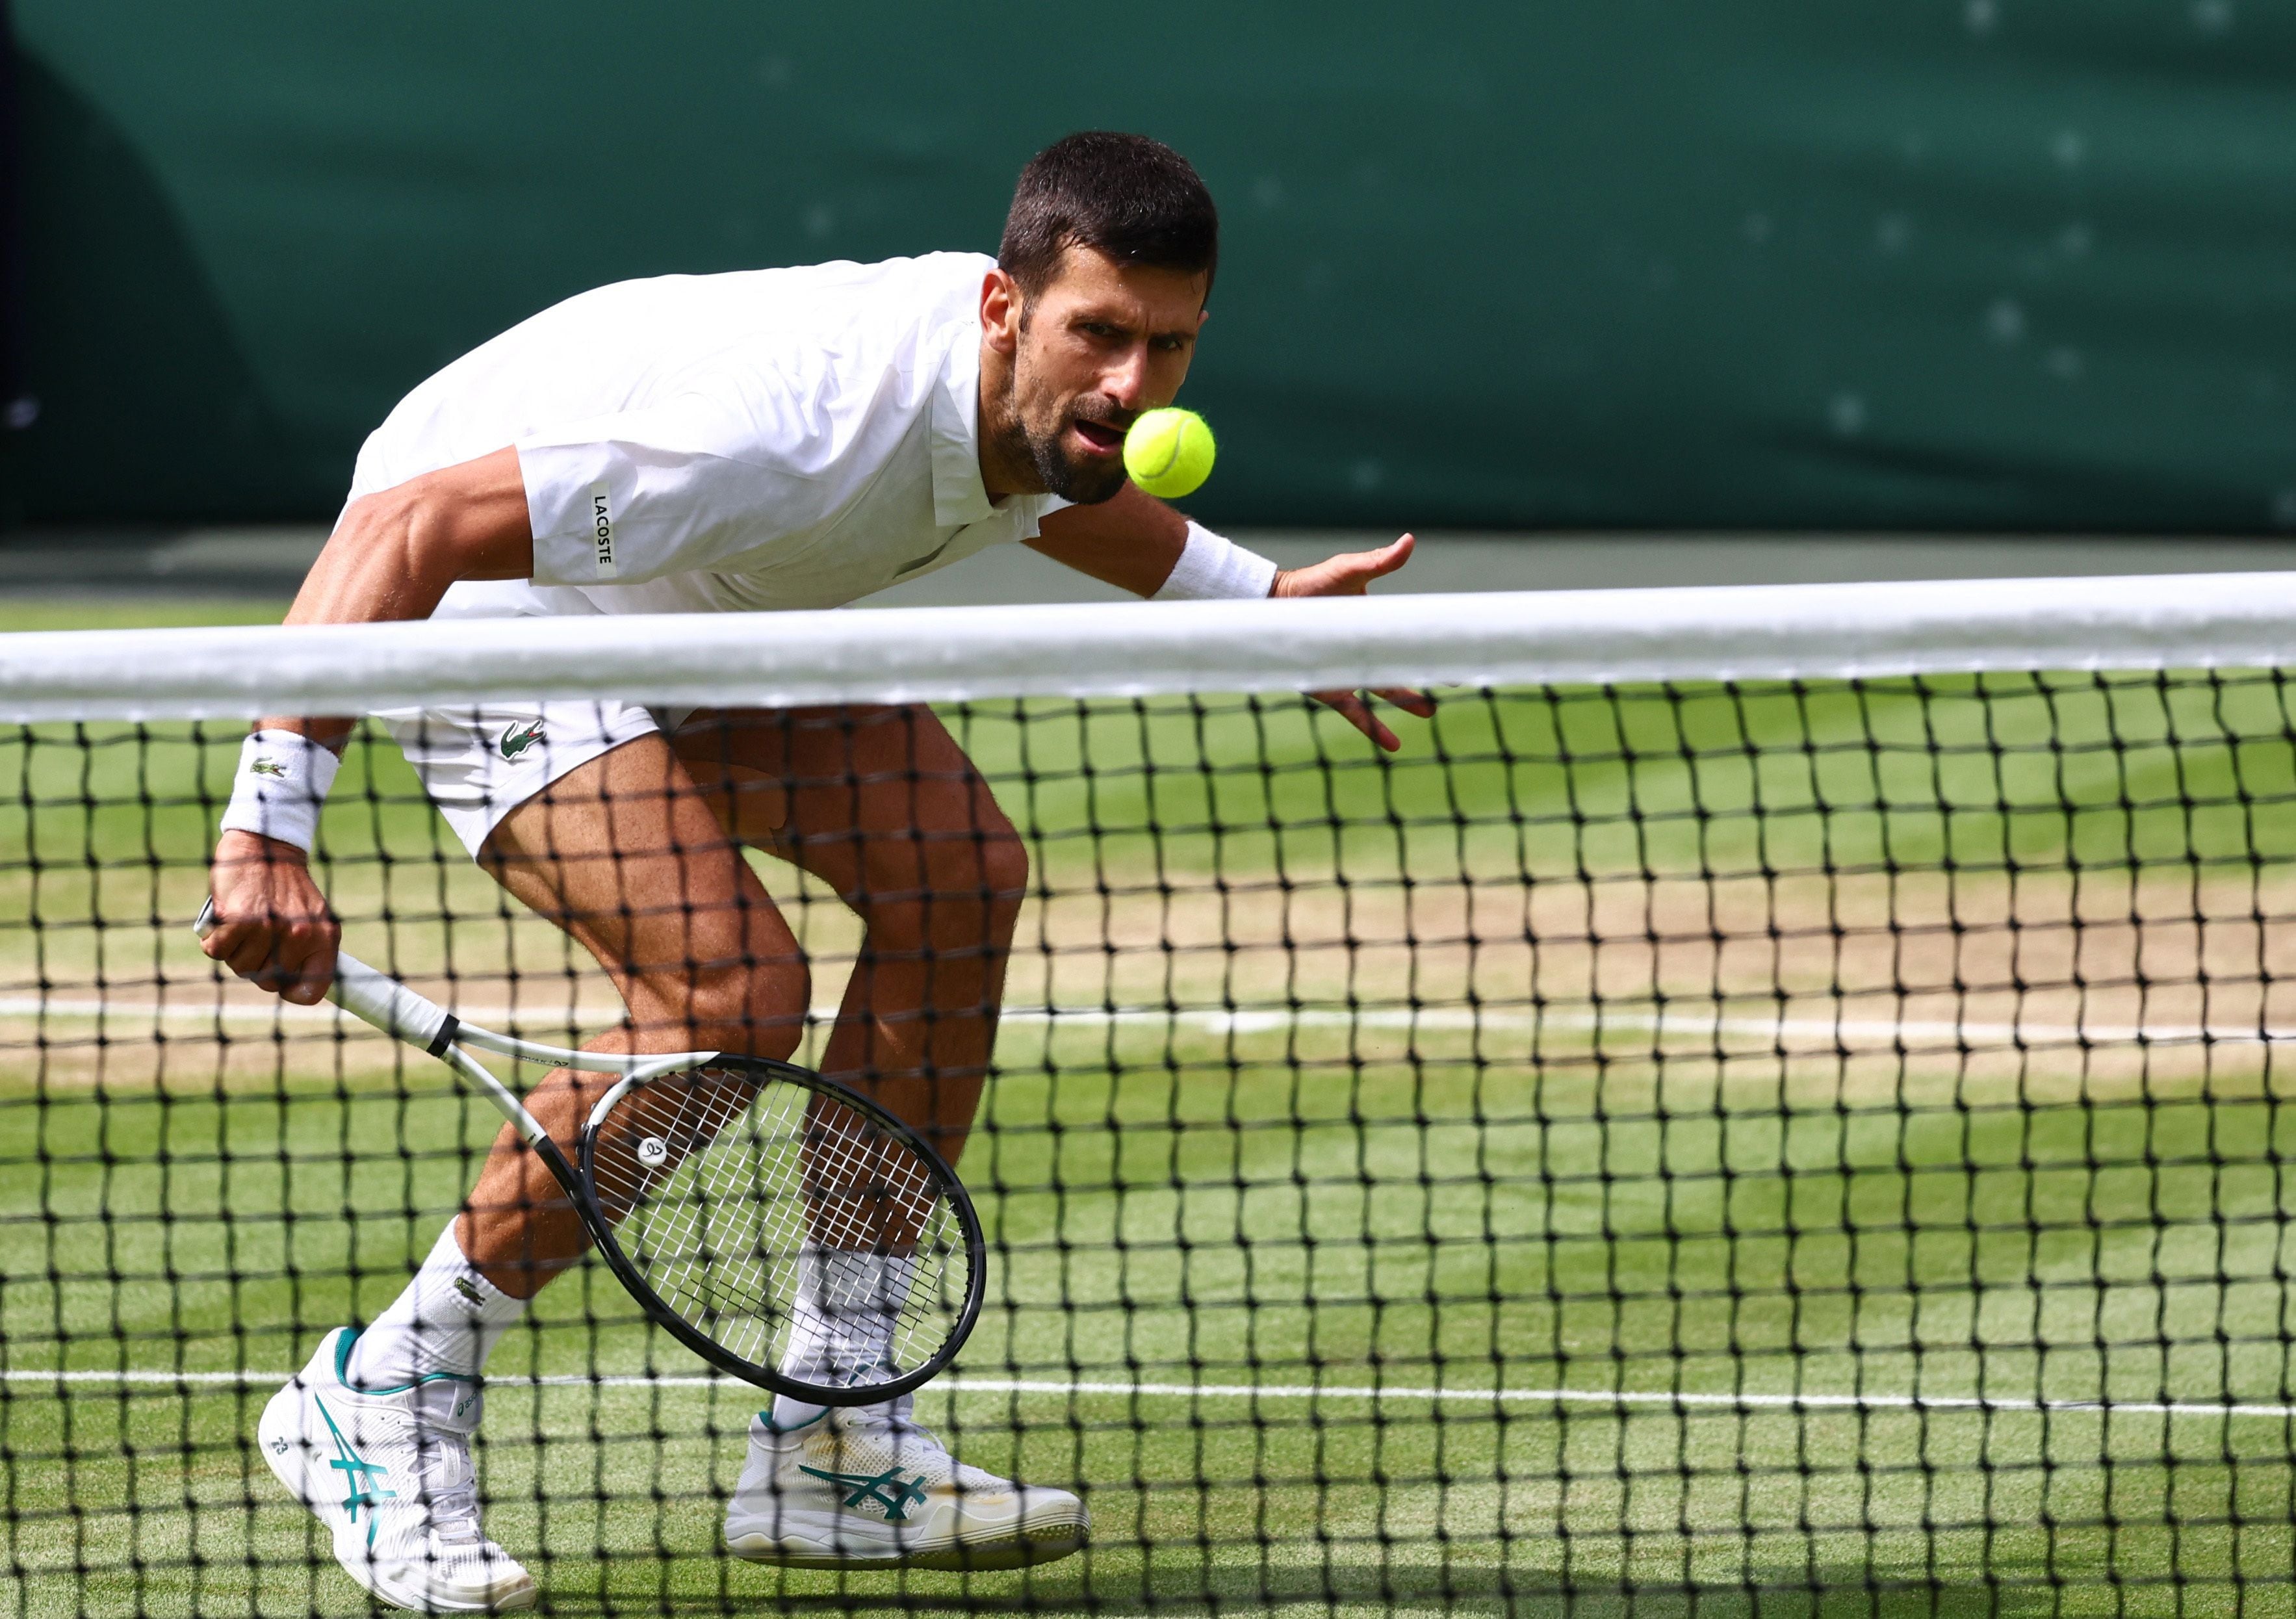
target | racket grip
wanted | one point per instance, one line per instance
(381, 999)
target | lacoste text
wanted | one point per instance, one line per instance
(602, 522)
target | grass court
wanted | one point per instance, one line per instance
(1815, 1110)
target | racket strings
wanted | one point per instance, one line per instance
(676, 1203)
(721, 1188)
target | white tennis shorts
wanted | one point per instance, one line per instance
(480, 764)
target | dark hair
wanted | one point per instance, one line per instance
(1135, 199)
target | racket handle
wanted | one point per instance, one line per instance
(379, 999)
(374, 998)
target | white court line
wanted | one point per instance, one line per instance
(1922, 1033)
(1301, 1391)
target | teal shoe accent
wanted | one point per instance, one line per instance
(363, 1479)
(888, 1491)
(766, 1417)
(346, 1337)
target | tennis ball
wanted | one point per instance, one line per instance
(1170, 452)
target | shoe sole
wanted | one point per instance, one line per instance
(797, 1538)
(1017, 1551)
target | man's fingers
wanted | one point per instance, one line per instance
(295, 960)
(1359, 568)
(271, 925)
(1347, 574)
(1358, 713)
(1387, 558)
(1416, 703)
(308, 986)
(1371, 726)
(303, 981)
(253, 952)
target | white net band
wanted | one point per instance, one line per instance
(1123, 650)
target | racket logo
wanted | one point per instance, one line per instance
(653, 1152)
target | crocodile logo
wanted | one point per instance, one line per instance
(264, 765)
(887, 1491)
(519, 738)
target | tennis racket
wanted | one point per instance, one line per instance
(702, 1176)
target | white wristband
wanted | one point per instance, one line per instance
(284, 778)
(1212, 567)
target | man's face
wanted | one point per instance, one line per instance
(1100, 345)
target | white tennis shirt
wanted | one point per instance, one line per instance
(763, 439)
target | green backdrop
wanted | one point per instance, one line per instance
(1929, 264)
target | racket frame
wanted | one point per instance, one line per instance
(375, 998)
(658, 1311)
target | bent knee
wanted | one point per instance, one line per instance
(1001, 867)
(756, 1010)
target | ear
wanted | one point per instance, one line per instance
(1000, 312)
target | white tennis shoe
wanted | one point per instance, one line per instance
(866, 1487)
(390, 1475)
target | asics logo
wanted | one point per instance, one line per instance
(887, 1491)
(361, 1477)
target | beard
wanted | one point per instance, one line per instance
(1042, 437)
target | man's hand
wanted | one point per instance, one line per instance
(273, 926)
(1351, 574)
(393, 555)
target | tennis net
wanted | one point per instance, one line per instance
(1771, 1102)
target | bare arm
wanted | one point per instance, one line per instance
(393, 557)
(1132, 542)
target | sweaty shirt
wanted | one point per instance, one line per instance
(762, 439)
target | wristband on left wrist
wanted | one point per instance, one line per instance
(1214, 568)
(284, 778)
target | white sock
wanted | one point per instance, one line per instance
(856, 1301)
(447, 1323)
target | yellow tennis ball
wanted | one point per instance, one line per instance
(1170, 452)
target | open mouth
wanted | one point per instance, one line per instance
(1103, 439)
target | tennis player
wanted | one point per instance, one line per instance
(774, 439)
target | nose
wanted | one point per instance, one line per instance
(1126, 381)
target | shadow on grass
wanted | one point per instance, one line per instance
(1337, 1587)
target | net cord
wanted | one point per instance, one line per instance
(1140, 649)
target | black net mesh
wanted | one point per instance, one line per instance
(1759, 1147)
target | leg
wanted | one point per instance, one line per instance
(624, 854)
(882, 804)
